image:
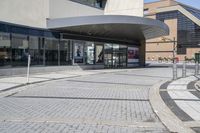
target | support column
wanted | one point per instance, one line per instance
(142, 53)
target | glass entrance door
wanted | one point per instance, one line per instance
(115, 56)
(108, 56)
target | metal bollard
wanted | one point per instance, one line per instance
(196, 68)
(28, 69)
(184, 70)
(174, 71)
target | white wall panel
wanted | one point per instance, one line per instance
(124, 7)
(25, 12)
(67, 8)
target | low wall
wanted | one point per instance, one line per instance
(23, 70)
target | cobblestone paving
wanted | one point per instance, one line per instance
(116, 102)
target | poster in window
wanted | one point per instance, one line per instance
(78, 53)
(133, 56)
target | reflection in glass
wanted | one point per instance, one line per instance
(5, 49)
(108, 54)
(35, 50)
(78, 51)
(115, 56)
(89, 53)
(65, 52)
(99, 54)
(19, 50)
(51, 51)
(122, 54)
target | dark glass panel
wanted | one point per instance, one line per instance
(166, 15)
(115, 55)
(188, 32)
(5, 49)
(193, 11)
(19, 50)
(65, 53)
(36, 50)
(93, 3)
(89, 53)
(51, 51)
(108, 55)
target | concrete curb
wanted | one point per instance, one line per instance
(167, 117)
(197, 85)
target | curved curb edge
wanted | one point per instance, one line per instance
(197, 85)
(167, 117)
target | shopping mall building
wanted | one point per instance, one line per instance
(101, 33)
(184, 24)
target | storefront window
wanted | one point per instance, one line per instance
(51, 51)
(133, 56)
(99, 54)
(108, 54)
(36, 50)
(19, 50)
(89, 53)
(115, 56)
(78, 51)
(5, 49)
(122, 55)
(65, 54)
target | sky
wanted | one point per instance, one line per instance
(193, 3)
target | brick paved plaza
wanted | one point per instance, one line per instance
(101, 103)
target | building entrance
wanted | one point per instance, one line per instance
(115, 56)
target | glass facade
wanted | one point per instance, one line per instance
(5, 49)
(51, 51)
(115, 55)
(65, 52)
(89, 53)
(188, 33)
(99, 54)
(36, 50)
(46, 48)
(194, 11)
(19, 49)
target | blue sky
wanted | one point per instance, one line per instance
(194, 3)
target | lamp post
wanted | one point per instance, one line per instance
(174, 60)
(197, 63)
(174, 55)
(168, 40)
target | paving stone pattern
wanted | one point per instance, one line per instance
(103, 103)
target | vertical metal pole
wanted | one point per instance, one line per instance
(196, 68)
(59, 43)
(174, 71)
(174, 62)
(44, 51)
(184, 70)
(28, 68)
(73, 52)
